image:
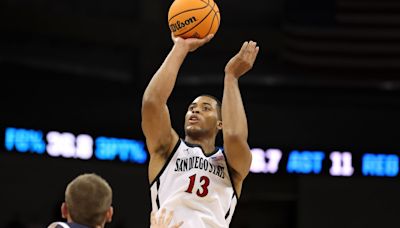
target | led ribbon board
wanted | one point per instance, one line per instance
(68, 145)
(336, 163)
(270, 161)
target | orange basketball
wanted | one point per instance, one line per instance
(193, 18)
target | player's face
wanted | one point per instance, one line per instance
(202, 117)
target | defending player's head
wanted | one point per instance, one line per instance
(88, 201)
(203, 117)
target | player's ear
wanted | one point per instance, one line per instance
(219, 124)
(109, 214)
(64, 210)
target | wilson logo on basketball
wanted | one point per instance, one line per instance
(179, 25)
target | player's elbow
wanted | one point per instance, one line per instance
(151, 103)
(148, 99)
(246, 160)
(240, 165)
(148, 107)
(234, 136)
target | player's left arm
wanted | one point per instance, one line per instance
(235, 130)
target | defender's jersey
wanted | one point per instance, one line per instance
(66, 225)
(196, 187)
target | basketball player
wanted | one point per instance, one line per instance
(200, 182)
(88, 205)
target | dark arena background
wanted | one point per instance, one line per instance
(322, 101)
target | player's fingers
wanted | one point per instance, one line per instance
(250, 49)
(247, 50)
(253, 46)
(201, 42)
(254, 54)
(162, 216)
(178, 225)
(153, 218)
(169, 217)
(243, 49)
(208, 38)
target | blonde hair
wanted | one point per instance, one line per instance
(88, 197)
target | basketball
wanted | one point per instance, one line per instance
(193, 18)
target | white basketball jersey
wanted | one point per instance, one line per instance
(196, 187)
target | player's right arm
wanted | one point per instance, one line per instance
(156, 122)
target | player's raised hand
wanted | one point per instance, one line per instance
(163, 220)
(243, 61)
(191, 44)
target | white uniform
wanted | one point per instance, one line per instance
(196, 187)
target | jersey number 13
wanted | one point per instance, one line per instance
(204, 182)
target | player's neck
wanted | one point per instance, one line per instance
(207, 144)
(69, 220)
